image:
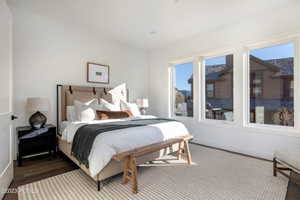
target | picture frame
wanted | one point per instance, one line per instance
(97, 73)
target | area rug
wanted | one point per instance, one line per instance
(293, 192)
(215, 175)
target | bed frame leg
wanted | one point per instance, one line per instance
(99, 185)
(274, 167)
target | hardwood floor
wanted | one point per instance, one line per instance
(37, 169)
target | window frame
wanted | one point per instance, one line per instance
(172, 66)
(203, 87)
(247, 79)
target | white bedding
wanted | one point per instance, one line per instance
(109, 143)
(63, 126)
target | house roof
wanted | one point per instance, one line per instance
(215, 72)
(286, 66)
(282, 67)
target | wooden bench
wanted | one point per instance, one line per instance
(287, 160)
(129, 157)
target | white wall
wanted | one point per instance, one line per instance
(49, 52)
(234, 137)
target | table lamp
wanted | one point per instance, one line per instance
(37, 105)
(143, 104)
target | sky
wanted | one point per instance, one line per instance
(274, 52)
(215, 61)
(184, 71)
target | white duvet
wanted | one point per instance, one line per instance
(109, 143)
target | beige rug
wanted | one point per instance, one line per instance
(216, 175)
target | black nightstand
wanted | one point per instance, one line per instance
(36, 141)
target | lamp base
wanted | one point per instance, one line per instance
(143, 111)
(37, 120)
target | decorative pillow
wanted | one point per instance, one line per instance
(85, 111)
(102, 114)
(132, 107)
(71, 113)
(104, 105)
(118, 93)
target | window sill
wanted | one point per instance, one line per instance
(218, 122)
(256, 128)
(182, 118)
(215, 123)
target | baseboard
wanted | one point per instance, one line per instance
(252, 154)
(6, 179)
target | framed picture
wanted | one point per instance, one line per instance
(97, 73)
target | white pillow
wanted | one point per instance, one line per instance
(118, 93)
(71, 114)
(88, 103)
(132, 107)
(104, 105)
(85, 111)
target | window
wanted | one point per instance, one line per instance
(271, 85)
(219, 88)
(183, 90)
(256, 81)
(210, 90)
(288, 88)
(291, 89)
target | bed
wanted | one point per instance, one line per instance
(101, 165)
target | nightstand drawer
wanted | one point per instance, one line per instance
(28, 150)
(34, 142)
(36, 145)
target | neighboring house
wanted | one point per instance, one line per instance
(265, 75)
(179, 97)
(183, 103)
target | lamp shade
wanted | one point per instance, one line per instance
(142, 103)
(38, 104)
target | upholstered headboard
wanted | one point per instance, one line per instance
(66, 94)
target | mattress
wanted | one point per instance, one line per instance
(63, 126)
(112, 142)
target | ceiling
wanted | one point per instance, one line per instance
(151, 24)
